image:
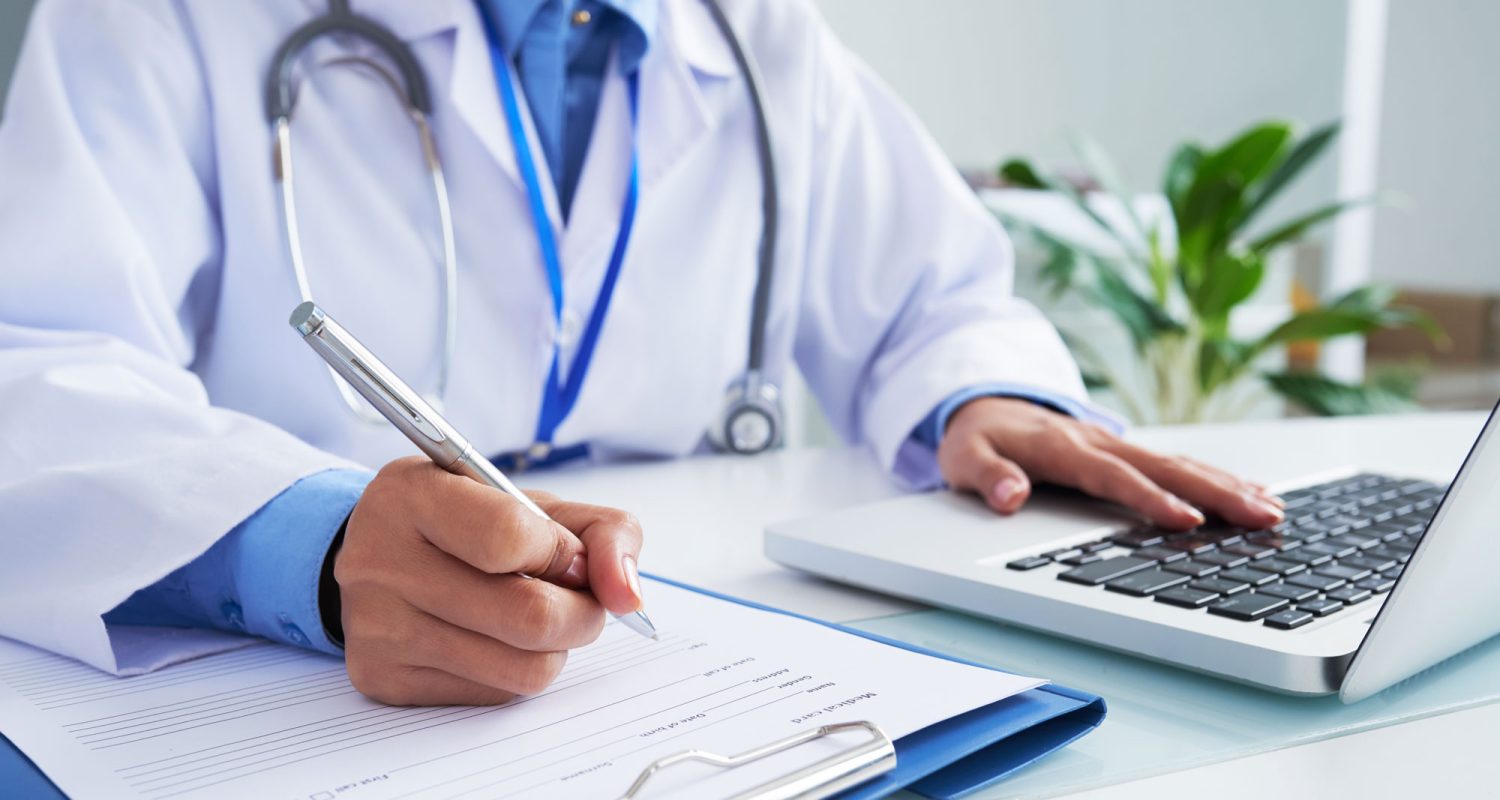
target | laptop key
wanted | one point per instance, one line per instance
(1289, 591)
(1146, 582)
(1359, 540)
(1378, 584)
(1254, 577)
(1306, 557)
(1248, 607)
(1159, 553)
(1290, 618)
(1280, 566)
(1193, 569)
(1384, 553)
(1186, 597)
(1322, 583)
(1094, 547)
(1106, 570)
(1225, 560)
(1080, 559)
(1368, 561)
(1350, 574)
(1059, 555)
(1139, 537)
(1219, 586)
(1349, 595)
(1192, 545)
(1029, 562)
(1321, 606)
(1251, 550)
(1329, 548)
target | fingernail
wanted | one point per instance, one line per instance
(632, 578)
(1005, 491)
(1262, 504)
(578, 571)
(1186, 508)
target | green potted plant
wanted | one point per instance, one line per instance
(1176, 302)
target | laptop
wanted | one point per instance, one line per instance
(1371, 579)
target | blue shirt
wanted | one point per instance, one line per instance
(262, 578)
(561, 50)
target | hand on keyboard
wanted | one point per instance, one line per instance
(997, 446)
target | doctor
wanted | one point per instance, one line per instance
(170, 454)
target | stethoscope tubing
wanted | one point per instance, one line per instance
(411, 87)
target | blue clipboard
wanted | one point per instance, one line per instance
(973, 750)
(949, 759)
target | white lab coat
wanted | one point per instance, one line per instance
(152, 395)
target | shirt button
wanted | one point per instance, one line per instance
(233, 614)
(568, 329)
(582, 17)
(294, 634)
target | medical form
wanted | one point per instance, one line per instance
(269, 720)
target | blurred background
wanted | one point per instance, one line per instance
(1084, 95)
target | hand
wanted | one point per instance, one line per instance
(997, 446)
(434, 611)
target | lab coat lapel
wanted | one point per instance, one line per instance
(468, 78)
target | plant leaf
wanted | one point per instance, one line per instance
(1294, 230)
(1019, 173)
(1023, 171)
(1302, 154)
(1328, 397)
(1323, 323)
(1221, 360)
(1225, 175)
(1179, 176)
(1142, 318)
(1103, 169)
(1361, 310)
(1227, 282)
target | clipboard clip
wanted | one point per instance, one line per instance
(825, 778)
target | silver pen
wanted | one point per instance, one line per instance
(413, 416)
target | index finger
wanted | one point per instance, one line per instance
(493, 532)
(613, 541)
(1109, 477)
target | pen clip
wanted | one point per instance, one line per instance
(378, 385)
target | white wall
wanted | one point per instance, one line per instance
(1440, 146)
(993, 78)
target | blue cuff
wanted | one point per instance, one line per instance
(930, 430)
(262, 577)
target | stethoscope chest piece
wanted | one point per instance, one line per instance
(752, 420)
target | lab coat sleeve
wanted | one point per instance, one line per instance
(115, 467)
(907, 295)
(263, 577)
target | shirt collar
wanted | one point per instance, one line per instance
(512, 18)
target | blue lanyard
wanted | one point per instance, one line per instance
(558, 396)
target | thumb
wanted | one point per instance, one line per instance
(974, 465)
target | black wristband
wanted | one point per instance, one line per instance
(330, 604)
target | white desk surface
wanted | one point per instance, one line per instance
(703, 519)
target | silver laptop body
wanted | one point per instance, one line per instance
(947, 549)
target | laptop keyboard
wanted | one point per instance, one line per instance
(1343, 542)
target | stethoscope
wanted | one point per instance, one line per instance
(751, 420)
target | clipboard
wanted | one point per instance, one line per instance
(949, 759)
